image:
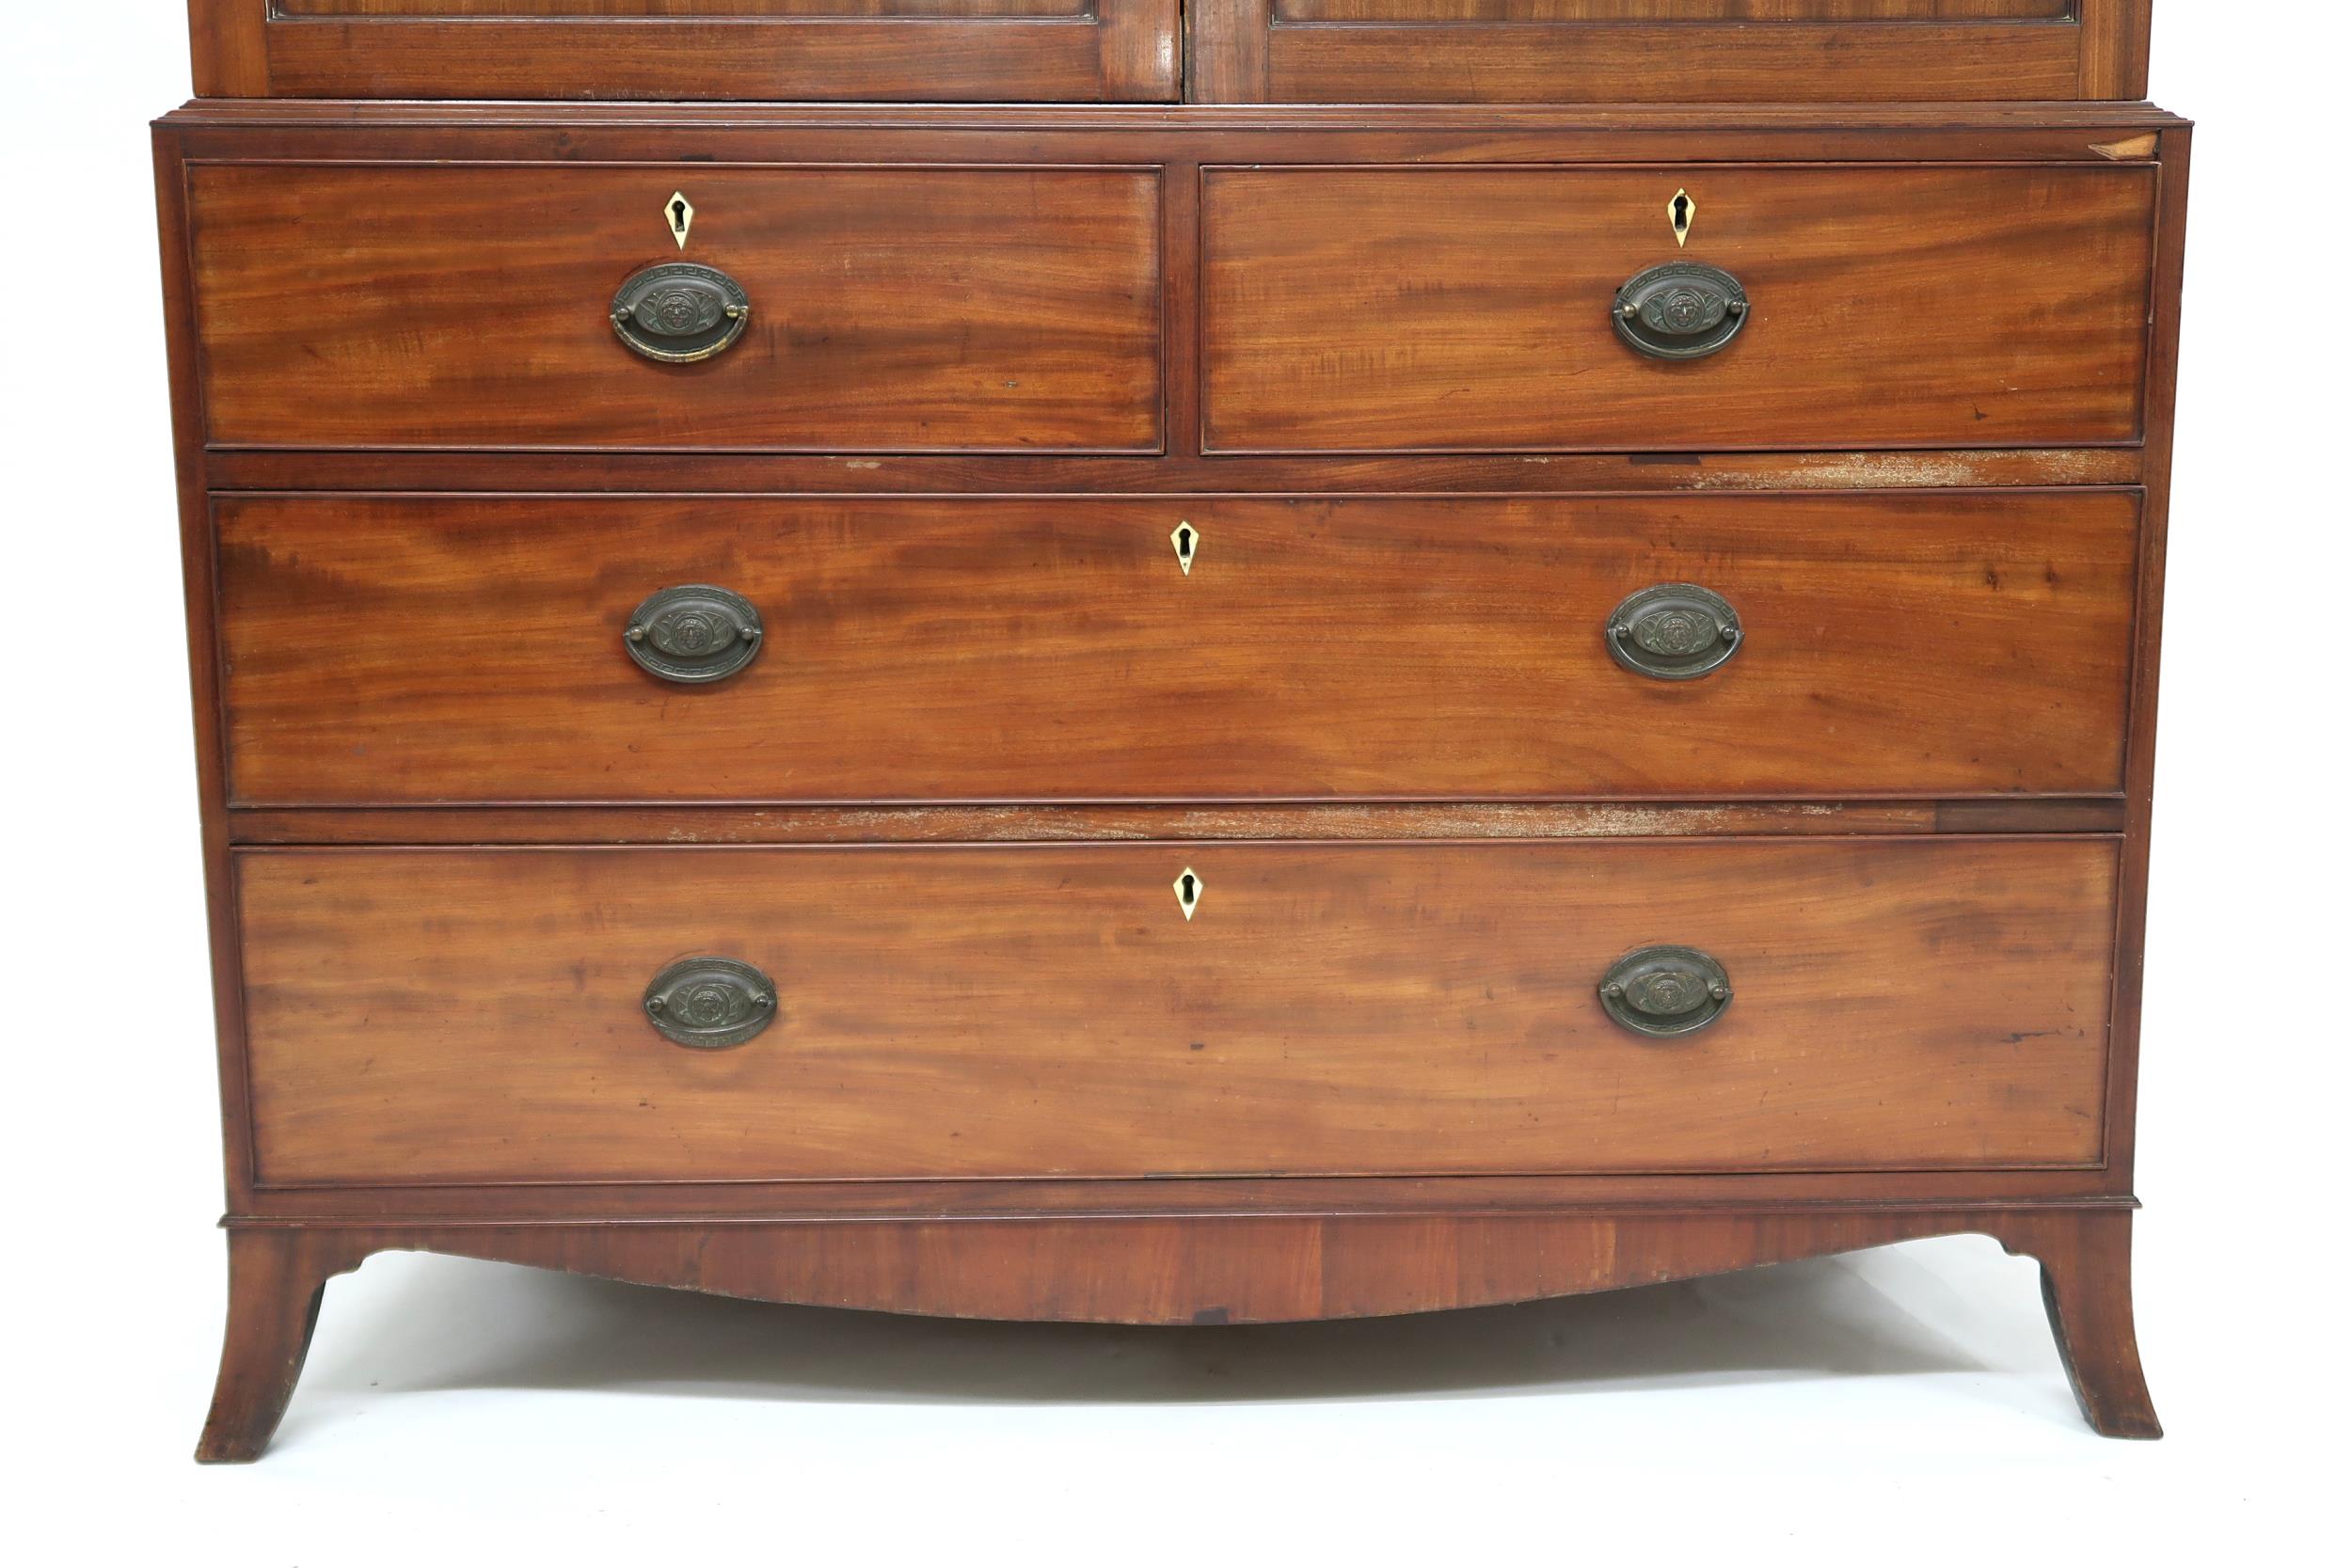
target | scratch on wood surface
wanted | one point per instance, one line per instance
(1909, 471)
(1007, 824)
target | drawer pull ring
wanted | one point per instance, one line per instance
(1676, 631)
(1683, 311)
(680, 312)
(693, 634)
(710, 1004)
(1665, 992)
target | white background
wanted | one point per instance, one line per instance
(1906, 1404)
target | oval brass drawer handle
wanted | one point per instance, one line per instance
(694, 633)
(1683, 311)
(1676, 631)
(710, 1004)
(1665, 992)
(678, 312)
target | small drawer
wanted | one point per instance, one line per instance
(411, 650)
(664, 1015)
(817, 308)
(1460, 309)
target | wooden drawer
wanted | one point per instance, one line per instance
(984, 308)
(936, 51)
(1666, 50)
(1417, 309)
(478, 1016)
(404, 650)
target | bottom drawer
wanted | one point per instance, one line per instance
(1397, 1009)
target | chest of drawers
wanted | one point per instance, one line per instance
(976, 659)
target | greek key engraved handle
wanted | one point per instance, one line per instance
(1683, 311)
(680, 312)
(1677, 631)
(710, 1004)
(693, 634)
(1665, 992)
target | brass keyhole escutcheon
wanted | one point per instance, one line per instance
(1187, 540)
(1679, 212)
(1189, 892)
(679, 213)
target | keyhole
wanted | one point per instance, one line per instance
(677, 215)
(1189, 892)
(1683, 212)
(1185, 540)
(1189, 886)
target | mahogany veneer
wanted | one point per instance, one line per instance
(412, 650)
(1443, 309)
(955, 1011)
(1190, 795)
(898, 309)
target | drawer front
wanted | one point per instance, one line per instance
(777, 51)
(1399, 309)
(891, 309)
(1666, 50)
(482, 1015)
(383, 650)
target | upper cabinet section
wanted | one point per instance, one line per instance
(1665, 51)
(1160, 51)
(927, 51)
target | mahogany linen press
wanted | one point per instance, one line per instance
(1097, 661)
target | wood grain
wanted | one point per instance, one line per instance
(661, 10)
(1175, 474)
(229, 41)
(277, 1283)
(1387, 310)
(1172, 1270)
(935, 50)
(420, 650)
(1192, 1272)
(1846, 130)
(1931, 1035)
(467, 1016)
(1674, 50)
(2086, 1259)
(1683, 14)
(925, 309)
(925, 1198)
(2164, 333)
(199, 603)
(1385, 822)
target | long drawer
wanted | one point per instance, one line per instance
(983, 308)
(1437, 308)
(483, 1016)
(411, 650)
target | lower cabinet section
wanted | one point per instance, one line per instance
(1141, 1009)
